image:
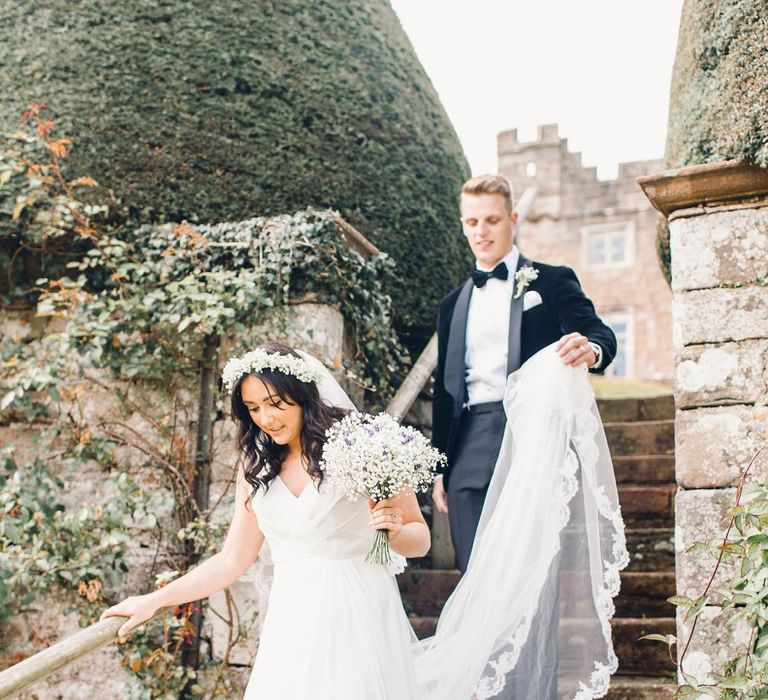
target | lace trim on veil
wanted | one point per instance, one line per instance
(582, 444)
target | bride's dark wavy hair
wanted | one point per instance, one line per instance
(263, 456)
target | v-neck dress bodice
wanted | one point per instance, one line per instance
(335, 628)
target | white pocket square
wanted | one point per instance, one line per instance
(531, 299)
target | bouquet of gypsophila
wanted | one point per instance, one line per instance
(375, 456)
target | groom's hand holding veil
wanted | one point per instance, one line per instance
(574, 349)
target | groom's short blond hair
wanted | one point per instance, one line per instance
(490, 184)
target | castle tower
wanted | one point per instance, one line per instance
(604, 230)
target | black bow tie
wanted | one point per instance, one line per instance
(480, 277)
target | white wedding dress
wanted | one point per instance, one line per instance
(335, 628)
(550, 542)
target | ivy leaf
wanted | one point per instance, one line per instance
(682, 601)
(734, 682)
(733, 548)
(701, 601)
(668, 639)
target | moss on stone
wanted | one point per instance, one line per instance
(719, 97)
(220, 111)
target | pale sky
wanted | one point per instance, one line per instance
(599, 68)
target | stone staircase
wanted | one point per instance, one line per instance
(640, 433)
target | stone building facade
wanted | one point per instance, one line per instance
(605, 230)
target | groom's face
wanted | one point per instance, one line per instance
(488, 226)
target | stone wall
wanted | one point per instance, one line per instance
(571, 200)
(718, 220)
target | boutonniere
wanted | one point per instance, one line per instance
(524, 276)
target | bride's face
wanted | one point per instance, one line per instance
(281, 420)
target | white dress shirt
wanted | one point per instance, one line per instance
(487, 341)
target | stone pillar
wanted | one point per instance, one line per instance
(718, 221)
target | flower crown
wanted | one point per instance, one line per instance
(259, 360)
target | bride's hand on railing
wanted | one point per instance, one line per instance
(138, 609)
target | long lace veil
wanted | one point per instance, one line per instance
(532, 613)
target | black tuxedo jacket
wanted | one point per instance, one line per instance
(564, 309)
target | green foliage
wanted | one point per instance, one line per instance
(719, 95)
(167, 287)
(219, 111)
(45, 547)
(745, 548)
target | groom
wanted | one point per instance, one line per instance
(508, 310)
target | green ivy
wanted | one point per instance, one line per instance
(168, 287)
(46, 547)
(744, 547)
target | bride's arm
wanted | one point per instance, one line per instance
(401, 516)
(239, 551)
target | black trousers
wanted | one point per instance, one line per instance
(477, 448)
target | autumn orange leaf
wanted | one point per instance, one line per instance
(84, 181)
(45, 128)
(34, 110)
(59, 147)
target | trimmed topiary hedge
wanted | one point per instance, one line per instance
(719, 98)
(719, 95)
(219, 111)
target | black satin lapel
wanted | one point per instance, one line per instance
(454, 356)
(514, 346)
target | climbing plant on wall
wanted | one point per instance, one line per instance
(136, 317)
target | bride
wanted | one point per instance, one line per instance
(335, 626)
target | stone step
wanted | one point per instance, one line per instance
(651, 549)
(639, 688)
(646, 438)
(639, 658)
(648, 506)
(642, 658)
(626, 410)
(644, 594)
(652, 470)
(425, 591)
(424, 626)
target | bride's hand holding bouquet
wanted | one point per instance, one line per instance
(376, 457)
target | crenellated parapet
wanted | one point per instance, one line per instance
(603, 229)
